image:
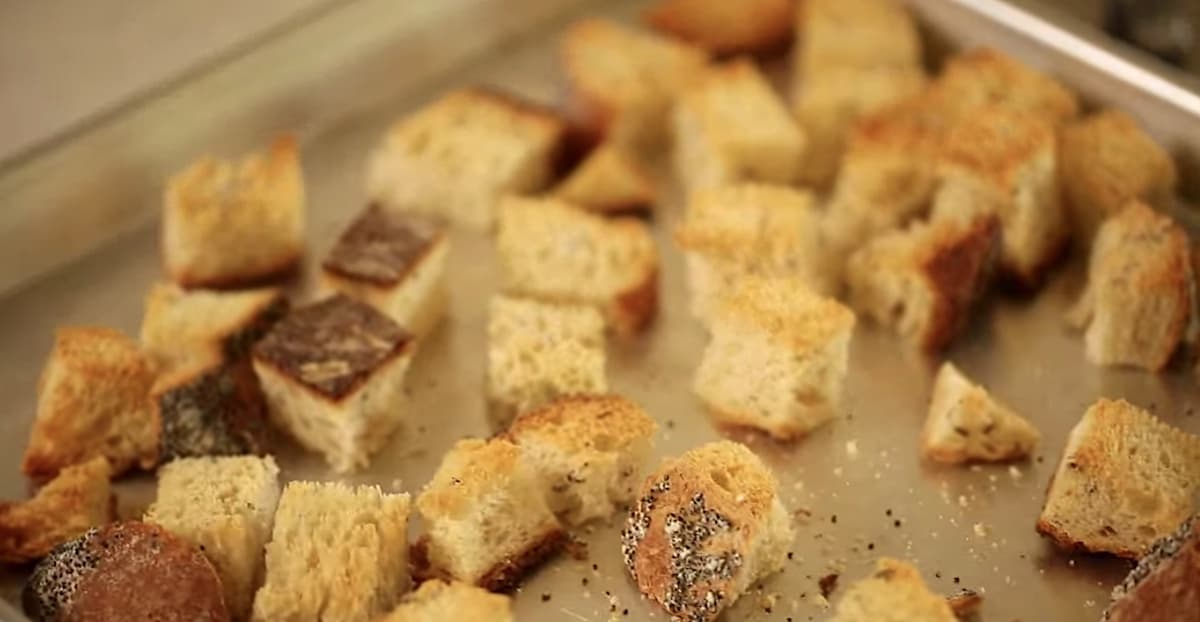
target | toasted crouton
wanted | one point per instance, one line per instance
(1163, 586)
(859, 33)
(455, 157)
(895, 592)
(225, 506)
(1125, 480)
(1138, 302)
(966, 424)
(209, 409)
(78, 499)
(487, 522)
(1107, 160)
(92, 402)
(589, 451)
(394, 263)
(551, 250)
(731, 126)
(333, 376)
(731, 231)
(721, 27)
(228, 224)
(439, 601)
(609, 180)
(987, 77)
(622, 81)
(777, 358)
(336, 553)
(921, 282)
(709, 524)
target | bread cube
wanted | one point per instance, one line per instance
(92, 402)
(777, 358)
(1125, 480)
(622, 82)
(233, 224)
(333, 376)
(988, 77)
(76, 500)
(486, 518)
(1005, 162)
(589, 451)
(609, 180)
(225, 506)
(721, 27)
(739, 229)
(553, 251)
(455, 157)
(1163, 586)
(439, 601)
(895, 591)
(394, 263)
(1138, 300)
(337, 552)
(213, 409)
(856, 33)
(965, 424)
(181, 328)
(709, 524)
(922, 282)
(1107, 160)
(731, 126)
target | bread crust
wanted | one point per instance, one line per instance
(278, 271)
(503, 576)
(724, 28)
(1163, 587)
(958, 269)
(216, 409)
(634, 310)
(381, 248)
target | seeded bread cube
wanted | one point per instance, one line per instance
(709, 524)
(225, 506)
(895, 592)
(1138, 301)
(439, 601)
(589, 451)
(337, 552)
(749, 26)
(921, 282)
(739, 229)
(333, 376)
(454, 158)
(551, 250)
(777, 358)
(232, 224)
(209, 409)
(965, 424)
(1125, 480)
(92, 402)
(77, 499)
(486, 518)
(1107, 160)
(609, 180)
(730, 126)
(988, 77)
(394, 263)
(1163, 586)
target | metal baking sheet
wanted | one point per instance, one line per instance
(856, 486)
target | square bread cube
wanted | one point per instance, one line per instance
(894, 592)
(76, 500)
(1162, 587)
(985, 76)
(538, 351)
(182, 327)
(551, 250)
(486, 518)
(622, 81)
(395, 263)
(922, 282)
(725, 28)
(777, 358)
(225, 506)
(1006, 162)
(337, 552)
(456, 156)
(92, 402)
(231, 224)
(209, 409)
(1138, 300)
(1125, 480)
(333, 376)
(708, 525)
(730, 126)
(589, 451)
(966, 424)
(609, 180)
(739, 229)
(860, 33)
(1107, 160)
(439, 601)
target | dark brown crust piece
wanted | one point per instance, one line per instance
(332, 347)
(1068, 544)
(959, 272)
(237, 346)
(634, 310)
(271, 275)
(1163, 586)
(381, 247)
(211, 411)
(504, 576)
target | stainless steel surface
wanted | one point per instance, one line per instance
(963, 527)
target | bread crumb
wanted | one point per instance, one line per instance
(981, 530)
(852, 449)
(1014, 472)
